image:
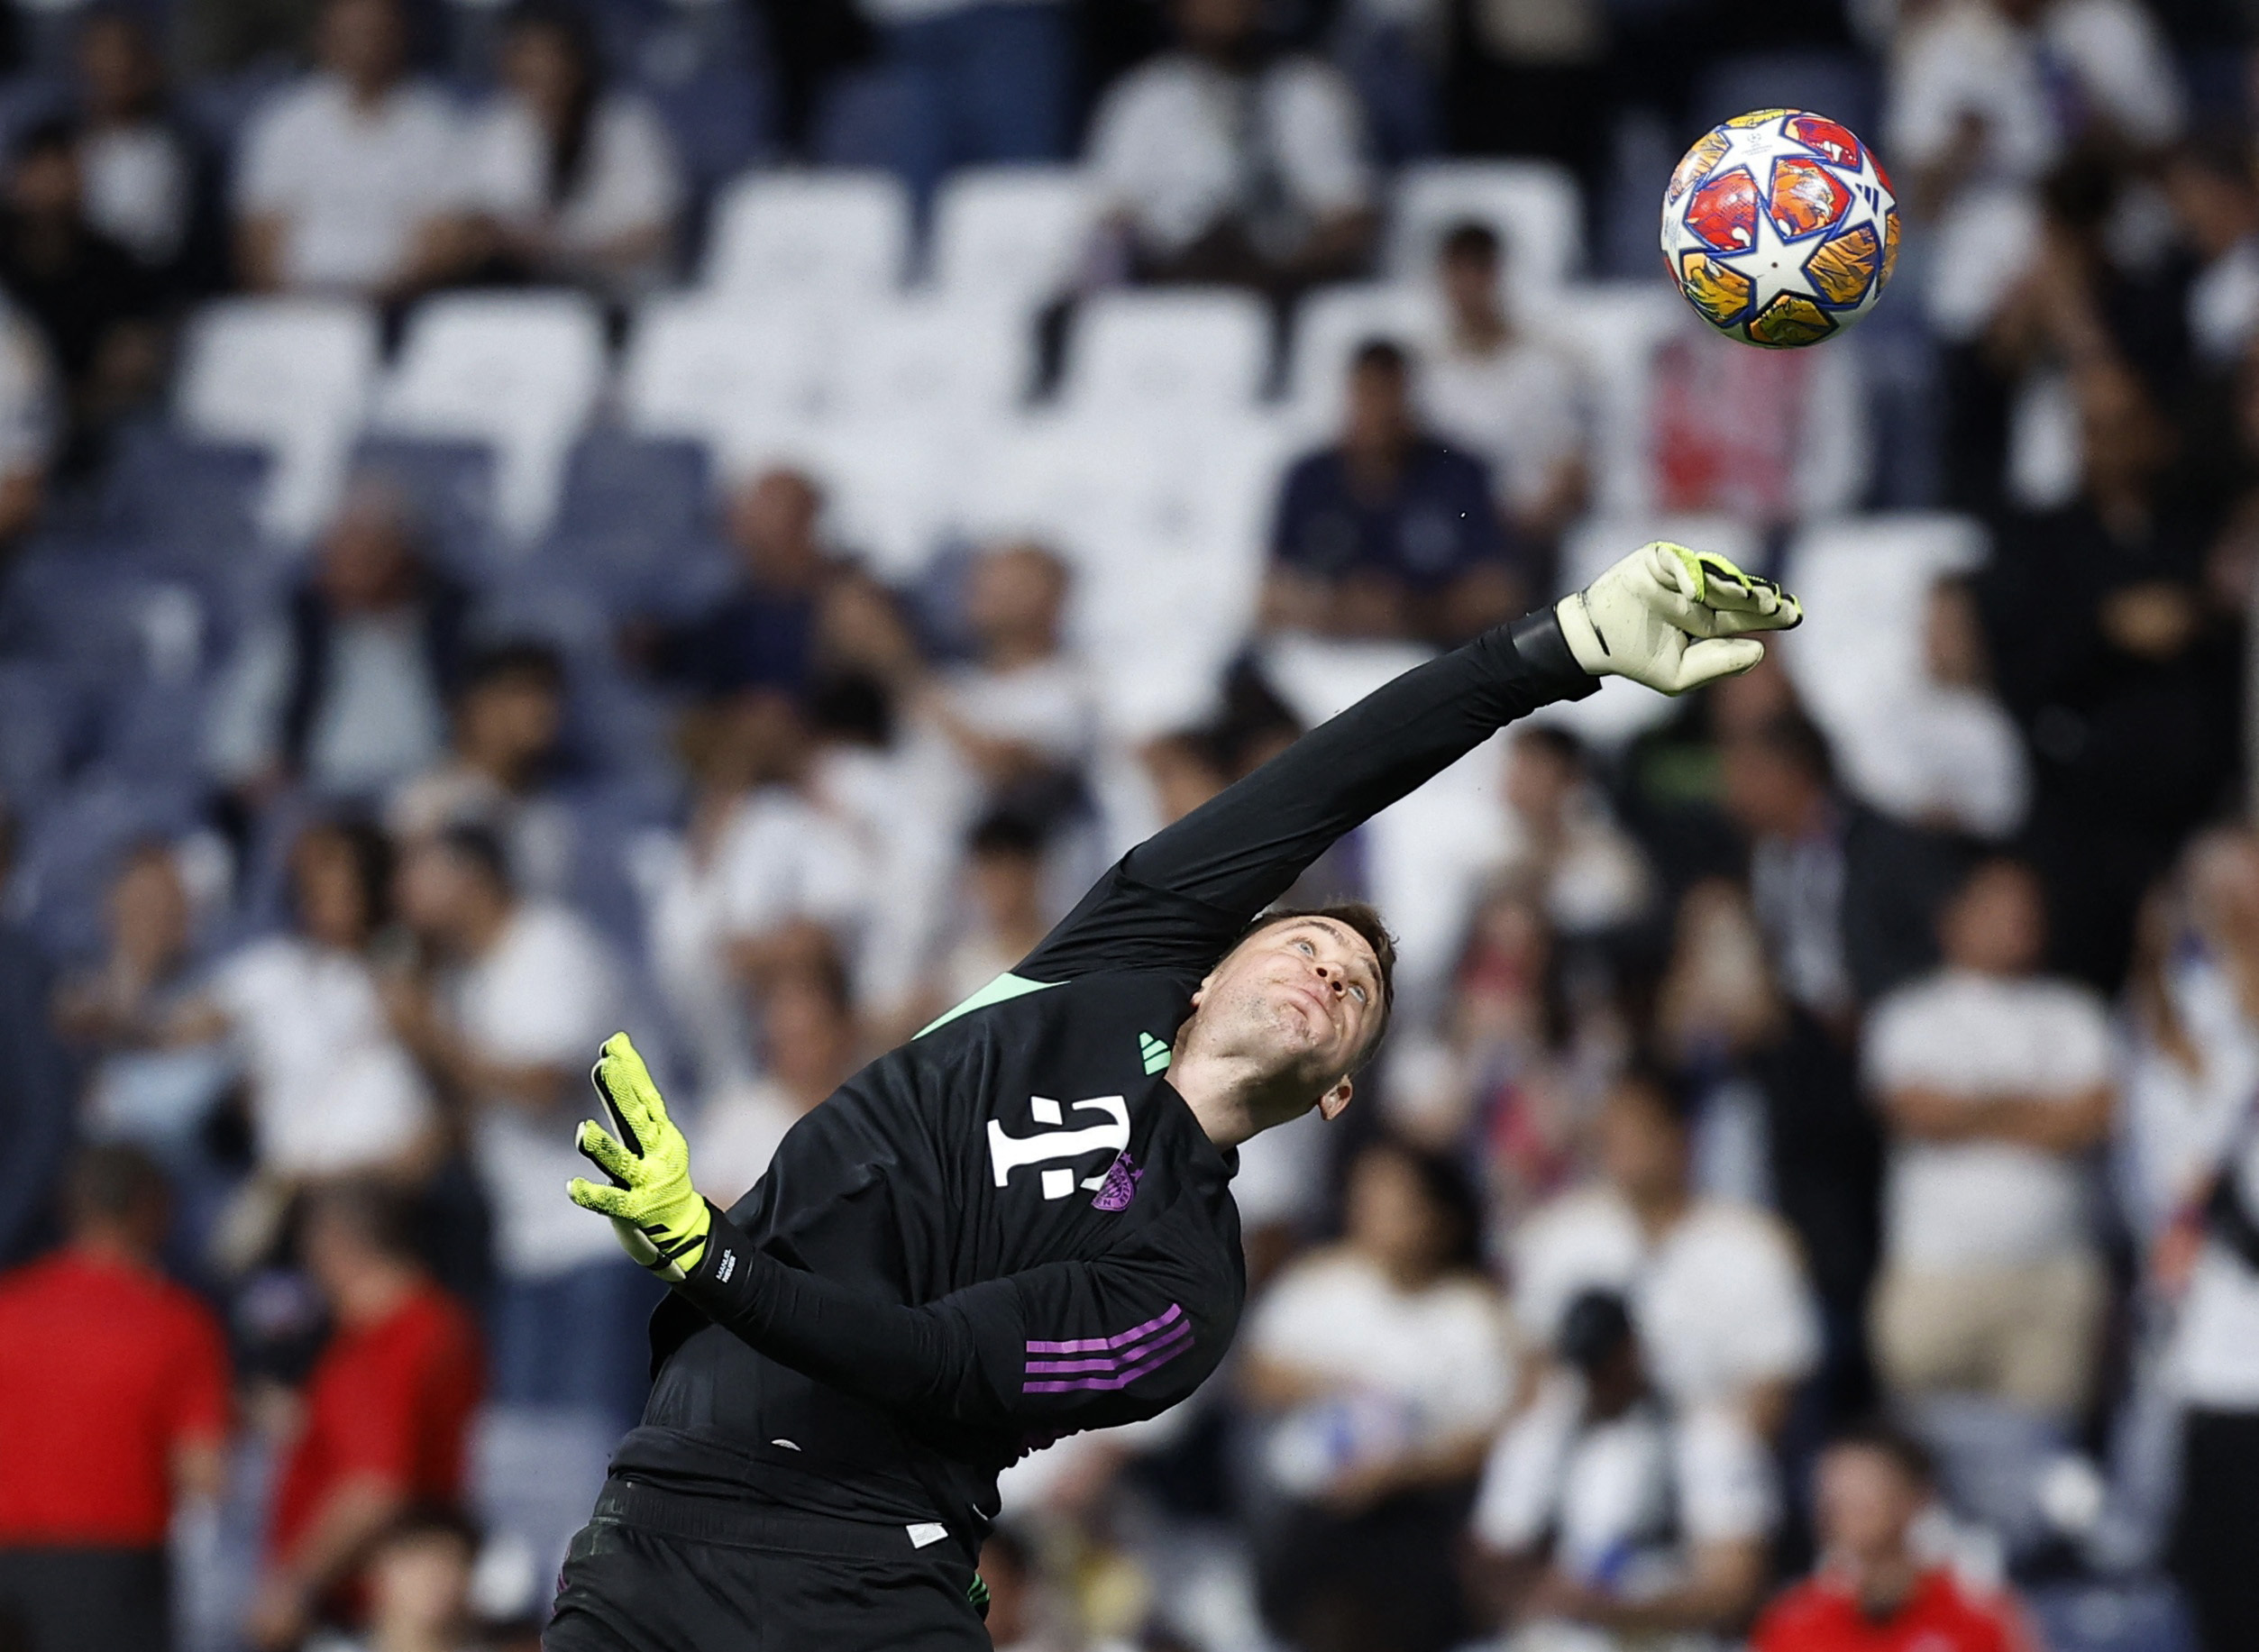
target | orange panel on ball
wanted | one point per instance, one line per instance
(1842, 268)
(1719, 293)
(1790, 320)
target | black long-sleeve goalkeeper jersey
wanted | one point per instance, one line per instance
(1012, 1228)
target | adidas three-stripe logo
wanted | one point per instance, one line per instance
(1153, 1053)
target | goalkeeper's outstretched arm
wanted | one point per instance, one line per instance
(1666, 617)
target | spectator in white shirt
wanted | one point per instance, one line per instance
(1715, 1289)
(764, 875)
(2188, 1066)
(507, 715)
(1947, 755)
(1516, 401)
(1985, 96)
(2210, 186)
(1996, 1082)
(573, 181)
(332, 1091)
(1221, 163)
(808, 1049)
(354, 180)
(521, 992)
(1605, 1506)
(1382, 1365)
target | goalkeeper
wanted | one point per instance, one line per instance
(1020, 1223)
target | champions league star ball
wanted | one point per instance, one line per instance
(1780, 228)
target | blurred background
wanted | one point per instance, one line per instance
(719, 518)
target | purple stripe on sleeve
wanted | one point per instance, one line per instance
(1118, 1379)
(1099, 1345)
(1110, 1362)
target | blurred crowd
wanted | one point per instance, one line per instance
(1812, 1190)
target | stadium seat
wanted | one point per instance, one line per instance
(449, 487)
(834, 237)
(1865, 584)
(1533, 205)
(289, 375)
(895, 490)
(929, 360)
(1009, 235)
(186, 503)
(1329, 326)
(519, 371)
(1164, 528)
(697, 369)
(1162, 356)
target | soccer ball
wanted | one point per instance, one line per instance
(1780, 228)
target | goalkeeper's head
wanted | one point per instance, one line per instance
(1293, 1011)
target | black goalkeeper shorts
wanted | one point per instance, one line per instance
(654, 1573)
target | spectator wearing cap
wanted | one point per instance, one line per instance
(1223, 160)
(354, 180)
(1603, 1505)
(1387, 532)
(503, 731)
(1996, 1081)
(344, 691)
(1714, 1288)
(1520, 403)
(517, 995)
(572, 180)
(387, 1412)
(118, 1380)
(1874, 1589)
(1382, 1364)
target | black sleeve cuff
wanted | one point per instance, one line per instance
(1536, 638)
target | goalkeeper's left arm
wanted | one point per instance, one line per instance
(962, 1359)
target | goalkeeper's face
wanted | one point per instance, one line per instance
(1296, 1005)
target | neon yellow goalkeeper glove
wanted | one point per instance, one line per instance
(1673, 618)
(660, 1220)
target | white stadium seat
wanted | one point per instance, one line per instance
(1864, 582)
(719, 373)
(519, 371)
(1533, 205)
(291, 375)
(925, 359)
(839, 237)
(1190, 352)
(1009, 236)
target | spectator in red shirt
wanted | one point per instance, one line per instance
(114, 1384)
(387, 1408)
(1872, 1593)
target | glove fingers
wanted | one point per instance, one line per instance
(1715, 657)
(607, 1155)
(611, 1201)
(625, 1083)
